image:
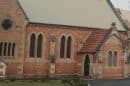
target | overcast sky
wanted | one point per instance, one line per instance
(123, 4)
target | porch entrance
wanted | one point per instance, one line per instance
(86, 66)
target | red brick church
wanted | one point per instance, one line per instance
(55, 38)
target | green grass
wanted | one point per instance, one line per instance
(31, 83)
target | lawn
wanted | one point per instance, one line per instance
(31, 83)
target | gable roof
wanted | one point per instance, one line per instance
(126, 16)
(94, 40)
(84, 13)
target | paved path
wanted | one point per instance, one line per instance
(110, 83)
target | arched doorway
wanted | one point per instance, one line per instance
(86, 65)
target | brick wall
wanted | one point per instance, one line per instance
(10, 9)
(113, 44)
(63, 66)
(21, 31)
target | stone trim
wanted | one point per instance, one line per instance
(72, 46)
(6, 52)
(43, 43)
(112, 50)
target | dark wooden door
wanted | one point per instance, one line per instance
(86, 66)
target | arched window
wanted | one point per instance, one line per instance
(5, 48)
(115, 59)
(39, 46)
(128, 58)
(32, 45)
(110, 58)
(1, 45)
(62, 47)
(9, 49)
(13, 49)
(69, 40)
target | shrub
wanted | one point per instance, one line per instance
(73, 82)
(82, 83)
(12, 79)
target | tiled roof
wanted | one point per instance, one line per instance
(82, 13)
(126, 16)
(94, 40)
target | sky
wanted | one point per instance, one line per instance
(122, 4)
